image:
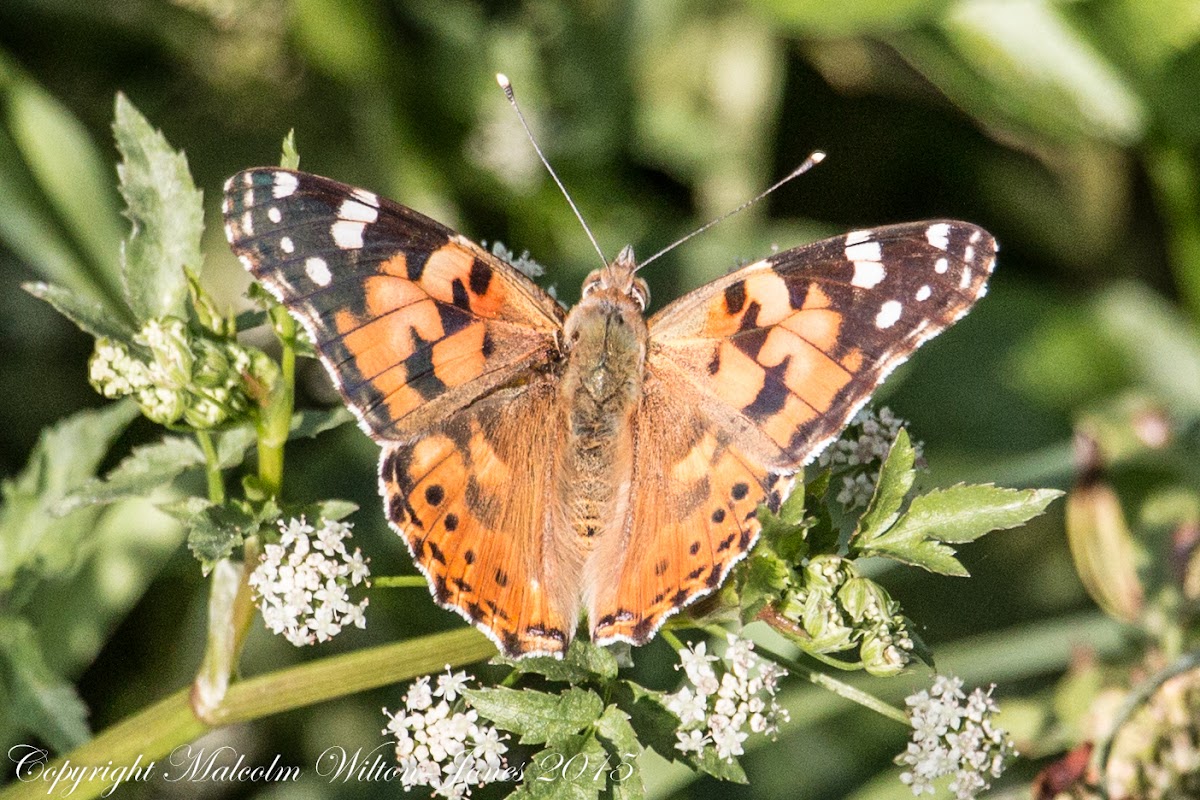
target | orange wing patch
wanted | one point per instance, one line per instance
(692, 518)
(472, 500)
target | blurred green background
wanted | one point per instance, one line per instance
(1067, 129)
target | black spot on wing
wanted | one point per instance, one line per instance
(735, 297)
(481, 276)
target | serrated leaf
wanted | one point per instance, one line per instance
(88, 314)
(213, 530)
(167, 214)
(963, 513)
(895, 480)
(538, 717)
(793, 507)
(583, 661)
(621, 742)
(574, 769)
(311, 422)
(145, 469)
(709, 762)
(766, 577)
(63, 460)
(39, 701)
(918, 552)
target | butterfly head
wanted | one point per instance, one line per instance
(618, 280)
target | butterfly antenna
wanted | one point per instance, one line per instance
(506, 85)
(816, 157)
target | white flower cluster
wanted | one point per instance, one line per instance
(723, 711)
(954, 734)
(446, 749)
(193, 378)
(865, 442)
(301, 582)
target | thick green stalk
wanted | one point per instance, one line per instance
(157, 730)
(212, 468)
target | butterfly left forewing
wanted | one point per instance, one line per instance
(412, 320)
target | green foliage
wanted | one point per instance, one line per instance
(167, 214)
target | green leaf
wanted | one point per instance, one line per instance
(311, 422)
(793, 508)
(621, 742)
(855, 17)
(573, 769)
(88, 314)
(335, 510)
(964, 513)
(766, 577)
(145, 469)
(924, 553)
(68, 175)
(537, 716)
(213, 531)
(895, 480)
(582, 662)
(167, 215)
(39, 701)
(64, 459)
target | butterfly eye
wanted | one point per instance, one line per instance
(640, 293)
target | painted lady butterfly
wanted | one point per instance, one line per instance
(542, 464)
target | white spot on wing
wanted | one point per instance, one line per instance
(318, 270)
(228, 183)
(938, 235)
(857, 237)
(246, 262)
(229, 232)
(969, 254)
(975, 237)
(966, 278)
(867, 274)
(940, 266)
(864, 251)
(274, 214)
(924, 292)
(286, 245)
(247, 224)
(889, 312)
(285, 185)
(348, 234)
(358, 212)
(370, 198)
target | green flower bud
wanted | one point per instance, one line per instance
(864, 599)
(170, 351)
(113, 372)
(162, 405)
(883, 653)
(212, 367)
(826, 573)
(824, 623)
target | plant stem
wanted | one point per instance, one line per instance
(153, 733)
(277, 416)
(1172, 174)
(837, 687)
(212, 469)
(400, 582)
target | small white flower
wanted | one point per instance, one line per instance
(441, 748)
(953, 734)
(691, 741)
(302, 590)
(450, 686)
(723, 710)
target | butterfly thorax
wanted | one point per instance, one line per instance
(605, 341)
